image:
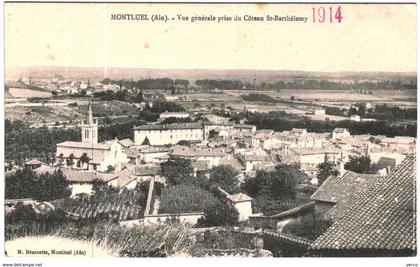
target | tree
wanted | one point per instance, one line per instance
(26, 184)
(83, 92)
(84, 159)
(140, 96)
(361, 164)
(225, 177)
(54, 93)
(277, 185)
(219, 214)
(184, 143)
(310, 227)
(284, 181)
(178, 171)
(326, 169)
(60, 159)
(70, 160)
(146, 142)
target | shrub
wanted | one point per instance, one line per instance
(219, 214)
(310, 227)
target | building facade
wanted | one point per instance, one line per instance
(169, 134)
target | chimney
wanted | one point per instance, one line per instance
(341, 169)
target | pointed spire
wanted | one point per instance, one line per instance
(90, 114)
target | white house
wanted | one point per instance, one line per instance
(168, 134)
(177, 115)
(355, 118)
(340, 133)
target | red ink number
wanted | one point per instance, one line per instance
(320, 15)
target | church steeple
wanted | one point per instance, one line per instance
(90, 119)
(90, 128)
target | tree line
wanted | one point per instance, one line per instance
(158, 83)
(281, 121)
(307, 84)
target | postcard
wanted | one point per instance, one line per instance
(271, 130)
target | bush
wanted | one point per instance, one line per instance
(26, 184)
(310, 227)
(219, 214)
(225, 177)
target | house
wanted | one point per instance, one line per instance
(81, 182)
(212, 129)
(312, 157)
(355, 118)
(43, 169)
(211, 156)
(298, 132)
(151, 154)
(319, 112)
(243, 203)
(101, 155)
(177, 115)
(339, 189)
(158, 135)
(130, 178)
(340, 133)
(33, 164)
(378, 221)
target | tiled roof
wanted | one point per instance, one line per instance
(240, 197)
(84, 145)
(86, 176)
(44, 169)
(183, 151)
(314, 150)
(335, 189)
(172, 126)
(126, 142)
(339, 130)
(33, 162)
(381, 218)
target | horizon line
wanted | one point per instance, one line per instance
(221, 69)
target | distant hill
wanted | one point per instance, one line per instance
(248, 75)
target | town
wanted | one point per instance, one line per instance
(205, 164)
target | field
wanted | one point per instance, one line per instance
(119, 206)
(27, 93)
(304, 100)
(38, 115)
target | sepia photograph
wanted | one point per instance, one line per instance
(198, 130)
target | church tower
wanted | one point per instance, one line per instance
(90, 128)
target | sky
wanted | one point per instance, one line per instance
(370, 37)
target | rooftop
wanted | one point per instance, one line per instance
(33, 162)
(172, 126)
(240, 197)
(126, 142)
(103, 146)
(86, 176)
(182, 151)
(379, 218)
(336, 189)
